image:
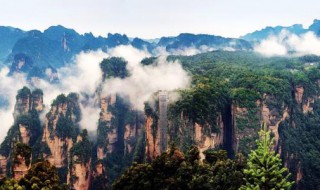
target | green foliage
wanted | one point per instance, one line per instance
(265, 169)
(67, 124)
(24, 151)
(81, 149)
(32, 124)
(114, 67)
(42, 175)
(37, 92)
(301, 135)
(203, 101)
(148, 60)
(10, 184)
(61, 99)
(174, 170)
(65, 127)
(23, 93)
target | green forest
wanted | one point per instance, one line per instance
(266, 110)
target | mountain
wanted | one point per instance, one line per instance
(315, 27)
(203, 41)
(297, 29)
(231, 95)
(57, 45)
(273, 31)
(8, 37)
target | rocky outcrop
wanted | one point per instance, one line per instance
(37, 101)
(22, 105)
(20, 167)
(24, 130)
(308, 105)
(24, 133)
(105, 118)
(152, 144)
(180, 130)
(3, 166)
(80, 175)
(59, 146)
(299, 94)
(205, 141)
(130, 138)
(27, 100)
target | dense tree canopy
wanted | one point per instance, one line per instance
(174, 170)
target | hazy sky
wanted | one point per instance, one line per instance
(155, 18)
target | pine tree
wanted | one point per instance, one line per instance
(264, 170)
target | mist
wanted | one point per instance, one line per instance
(8, 92)
(84, 77)
(143, 80)
(287, 43)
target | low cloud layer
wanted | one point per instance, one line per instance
(145, 80)
(8, 92)
(286, 42)
(84, 78)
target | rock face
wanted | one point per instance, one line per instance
(3, 166)
(80, 164)
(24, 133)
(26, 101)
(152, 144)
(130, 137)
(82, 174)
(60, 131)
(247, 122)
(59, 146)
(24, 130)
(182, 131)
(299, 94)
(20, 168)
(106, 118)
(120, 133)
(205, 141)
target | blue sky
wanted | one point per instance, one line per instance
(156, 18)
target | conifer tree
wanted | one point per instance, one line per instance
(264, 168)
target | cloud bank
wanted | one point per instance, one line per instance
(287, 43)
(8, 92)
(84, 77)
(145, 80)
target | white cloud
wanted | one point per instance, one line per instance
(84, 77)
(145, 80)
(285, 42)
(8, 92)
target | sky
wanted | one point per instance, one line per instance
(155, 18)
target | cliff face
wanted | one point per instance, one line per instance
(59, 145)
(20, 167)
(178, 129)
(111, 132)
(25, 130)
(59, 136)
(205, 140)
(81, 174)
(119, 130)
(152, 144)
(80, 163)
(247, 122)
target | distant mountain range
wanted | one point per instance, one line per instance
(34, 50)
(294, 29)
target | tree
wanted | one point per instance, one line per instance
(264, 170)
(10, 184)
(174, 170)
(42, 175)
